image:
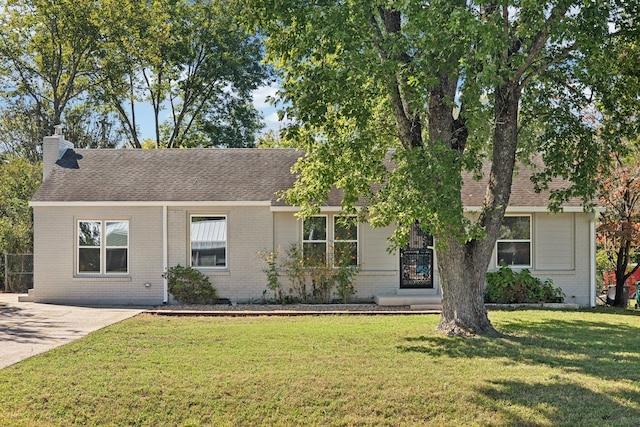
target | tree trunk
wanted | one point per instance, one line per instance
(463, 266)
(462, 277)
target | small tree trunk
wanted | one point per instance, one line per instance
(462, 280)
(620, 280)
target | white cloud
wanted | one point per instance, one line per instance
(260, 96)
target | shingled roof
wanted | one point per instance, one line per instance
(209, 175)
(188, 175)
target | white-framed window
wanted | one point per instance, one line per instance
(208, 241)
(514, 242)
(345, 240)
(103, 247)
(336, 239)
(314, 238)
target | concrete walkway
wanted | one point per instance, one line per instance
(28, 328)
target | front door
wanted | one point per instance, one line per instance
(416, 261)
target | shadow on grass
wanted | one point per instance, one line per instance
(558, 403)
(605, 350)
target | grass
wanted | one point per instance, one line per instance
(549, 368)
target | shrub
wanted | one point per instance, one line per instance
(344, 275)
(190, 286)
(310, 279)
(273, 275)
(294, 269)
(506, 286)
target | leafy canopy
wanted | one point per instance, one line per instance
(424, 86)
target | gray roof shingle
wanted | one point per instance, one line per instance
(188, 175)
(208, 175)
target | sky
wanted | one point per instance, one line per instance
(269, 112)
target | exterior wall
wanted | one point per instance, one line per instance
(55, 258)
(249, 230)
(561, 252)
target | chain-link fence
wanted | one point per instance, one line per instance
(17, 272)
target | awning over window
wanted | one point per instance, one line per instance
(209, 233)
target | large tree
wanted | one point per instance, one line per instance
(191, 63)
(47, 66)
(441, 87)
(95, 66)
(19, 180)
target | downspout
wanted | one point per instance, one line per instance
(165, 254)
(592, 260)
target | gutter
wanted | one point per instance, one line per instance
(165, 254)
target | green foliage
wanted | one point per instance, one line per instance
(19, 180)
(506, 286)
(190, 286)
(344, 274)
(191, 63)
(273, 275)
(294, 269)
(91, 65)
(311, 279)
(49, 53)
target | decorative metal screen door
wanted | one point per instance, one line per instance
(416, 261)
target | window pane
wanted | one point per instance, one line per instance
(89, 233)
(117, 233)
(315, 228)
(514, 253)
(117, 260)
(212, 257)
(89, 260)
(515, 228)
(345, 228)
(315, 253)
(345, 253)
(209, 241)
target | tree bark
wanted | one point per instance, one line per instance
(462, 283)
(463, 266)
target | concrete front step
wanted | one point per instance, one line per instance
(411, 300)
(24, 298)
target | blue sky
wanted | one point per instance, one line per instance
(269, 112)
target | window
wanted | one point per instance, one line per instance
(344, 244)
(514, 242)
(345, 240)
(209, 241)
(314, 239)
(103, 247)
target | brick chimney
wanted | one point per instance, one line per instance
(53, 148)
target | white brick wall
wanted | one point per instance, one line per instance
(561, 253)
(249, 230)
(55, 278)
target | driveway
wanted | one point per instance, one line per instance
(28, 328)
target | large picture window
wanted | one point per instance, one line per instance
(209, 241)
(103, 247)
(514, 242)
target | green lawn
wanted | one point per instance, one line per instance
(549, 368)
